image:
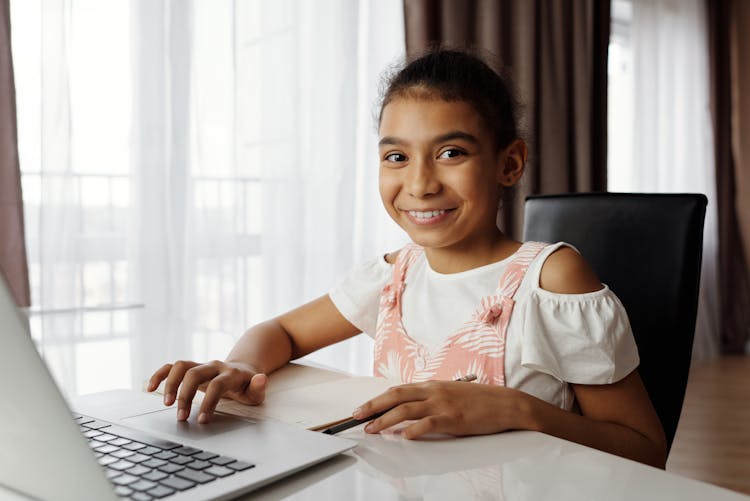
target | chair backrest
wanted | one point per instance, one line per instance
(647, 248)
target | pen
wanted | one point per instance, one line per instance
(351, 423)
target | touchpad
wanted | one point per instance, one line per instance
(165, 421)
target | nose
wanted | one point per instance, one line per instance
(421, 179)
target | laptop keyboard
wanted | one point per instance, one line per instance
(142, 467)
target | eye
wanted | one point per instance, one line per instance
(395, 157)
(451, 153)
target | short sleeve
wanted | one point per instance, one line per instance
(357, 296)
(578, 338)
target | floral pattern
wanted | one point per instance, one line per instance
(478, 347)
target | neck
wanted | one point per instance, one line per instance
(458, 258)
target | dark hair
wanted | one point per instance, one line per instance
(459, 75)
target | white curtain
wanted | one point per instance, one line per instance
(671, 139)
(192, 168)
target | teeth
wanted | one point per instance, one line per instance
(426, 215)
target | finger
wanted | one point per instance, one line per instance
(390, 398)
(243, 386)
(158, 376)
(174, 379)
(193, 378)
(403, 412)
(428, 424)
(256, 390)
(214, 391)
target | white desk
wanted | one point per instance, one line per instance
(508, 466)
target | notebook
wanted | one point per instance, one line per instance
(51, 451)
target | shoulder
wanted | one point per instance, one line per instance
(565, 271)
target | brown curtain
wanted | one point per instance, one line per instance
(12, 248)
(556, 51)
(730, 81)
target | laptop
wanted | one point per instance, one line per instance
(126, 444)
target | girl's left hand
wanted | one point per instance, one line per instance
(450, 407)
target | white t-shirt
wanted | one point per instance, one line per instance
(552, 339)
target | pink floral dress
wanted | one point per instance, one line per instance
(478, 347)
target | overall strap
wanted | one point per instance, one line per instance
(406, 256)
(516, 269)
(391, 293)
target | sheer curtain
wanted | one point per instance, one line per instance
(661, 124)
(192, 168)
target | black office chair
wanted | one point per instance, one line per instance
(647, 248)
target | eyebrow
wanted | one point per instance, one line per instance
(449, 136)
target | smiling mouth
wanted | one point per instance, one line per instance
(429, 216)
(426, 214)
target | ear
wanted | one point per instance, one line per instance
(511, 163)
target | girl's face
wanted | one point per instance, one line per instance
(440, 174)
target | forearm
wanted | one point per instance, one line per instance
(610, 437)
(264, 347)
(272, 344)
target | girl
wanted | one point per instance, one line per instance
(550, 345)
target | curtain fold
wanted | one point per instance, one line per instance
(672, 144)
(556, 52)
(730, 103)
(13, 265)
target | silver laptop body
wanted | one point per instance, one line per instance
(44, 455)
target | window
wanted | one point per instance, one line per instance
(190, 169)
(620, 98)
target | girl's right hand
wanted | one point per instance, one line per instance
(217, 379)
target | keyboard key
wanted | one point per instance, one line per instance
(122, 465)
(124, 479)
(92, 433)
(110, 473)
(199, 465)
(223, 460)
(149, 450)
(154, 463)
(171, 468)
(122, 453)
(183, 460)
(240, 465)
(177, 483)
(138, 470)
(219, 471)
(107, 449)
(165, 455)
(186, 451)
(142, 485)
(134, 446)
(105, 437)
(119, 441)
(123, 491)
(95, 443)
(205, 456)
(195, 476)
(138, 458)
(139, 436)
(95, 425)
(139, 496)
(155, 475)
(160, 491)
(107, 460)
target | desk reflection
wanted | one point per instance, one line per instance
(517, 465)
